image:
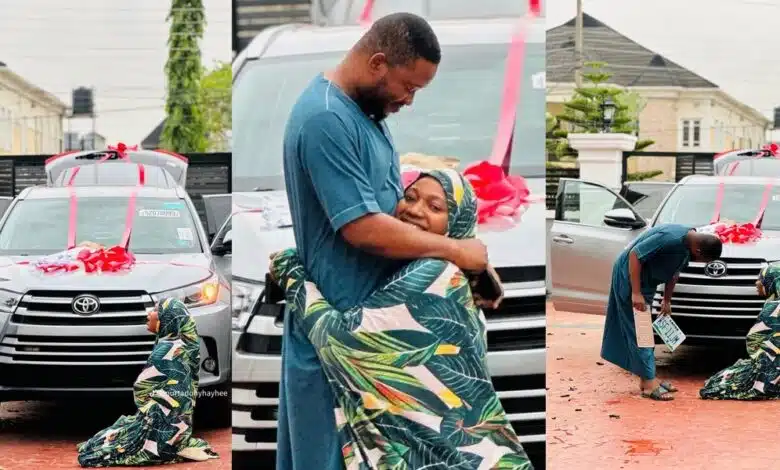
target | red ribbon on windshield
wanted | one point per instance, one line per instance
(114, 259)
(500, 194)
(365, 14)
(740, 233)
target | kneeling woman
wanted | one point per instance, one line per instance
(408, 366)
(161, 430)
(758, 376)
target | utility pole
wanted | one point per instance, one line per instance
(578, 46)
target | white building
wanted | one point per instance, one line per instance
(683, 112)
(31, 119)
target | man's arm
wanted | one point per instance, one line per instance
(669, 289)
(330, 155)
(635, 273)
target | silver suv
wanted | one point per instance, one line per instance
(78, 332)
(712, 303)
(455, 116)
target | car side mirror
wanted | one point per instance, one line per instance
(226, 247)
(623, 218)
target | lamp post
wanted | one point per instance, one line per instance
(608, 109)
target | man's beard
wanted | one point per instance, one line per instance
(373, 101)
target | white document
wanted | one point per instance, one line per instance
(643, 323)
(669, 332)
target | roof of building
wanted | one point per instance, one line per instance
(630, 63)
(19, 81)
(152, 141)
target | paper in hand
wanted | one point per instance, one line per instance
(643, 323)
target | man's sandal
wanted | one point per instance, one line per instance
(668, 386)
(659, 394)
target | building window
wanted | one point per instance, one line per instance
(691, 133)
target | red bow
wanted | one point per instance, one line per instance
(104, 260)
(122, 149)
(497, 193)
(772, 149)
(738, 234)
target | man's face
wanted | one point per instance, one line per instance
(392, 87)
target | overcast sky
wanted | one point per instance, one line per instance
(117, 46)
(732, 43)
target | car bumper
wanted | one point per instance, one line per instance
(45, 361)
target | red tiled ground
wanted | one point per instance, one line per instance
(597, 420)
(43, 436)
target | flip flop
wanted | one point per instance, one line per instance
(668, 386)
(659, 394)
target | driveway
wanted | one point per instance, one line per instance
(597, 420)
(43, 435)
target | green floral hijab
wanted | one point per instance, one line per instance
(461, 202)
(175, 320)
(770, 279)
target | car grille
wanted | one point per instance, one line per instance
(96, 345)
(523, 399)
(725, 307)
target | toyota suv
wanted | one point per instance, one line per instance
(456, 116)
(79, 332)
(712, 303)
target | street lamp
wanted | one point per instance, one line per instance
(608, 109)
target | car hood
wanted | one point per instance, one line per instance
(516, 244)
(767, 248)
(152, 273)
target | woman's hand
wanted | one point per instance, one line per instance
(666, 307)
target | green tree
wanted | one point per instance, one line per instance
(583, 112)
(215, 97)
(185, 126)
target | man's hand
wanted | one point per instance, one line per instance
(666, 307)
(639, 302)
(471, 255)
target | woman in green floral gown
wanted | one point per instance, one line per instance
(408, 366)
(758, 376)
(161, 430)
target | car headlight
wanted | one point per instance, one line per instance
(245, 296)
(9, 300)
(196, 295)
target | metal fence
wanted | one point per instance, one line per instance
(208, 173)
(552, 177)
(686, 163)
(250, 17)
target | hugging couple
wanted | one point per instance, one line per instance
(384, 353)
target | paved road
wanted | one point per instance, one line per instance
(597, 420)
(42, 435)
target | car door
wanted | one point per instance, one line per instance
(583, 247)
(646, 196)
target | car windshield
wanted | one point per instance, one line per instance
(455, 116)
(694, 204)
(40, 226)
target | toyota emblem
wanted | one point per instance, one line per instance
(85, 304)
(715, 269)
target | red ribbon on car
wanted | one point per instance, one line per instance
(500, 194)
(114, 259)
(740, 233)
